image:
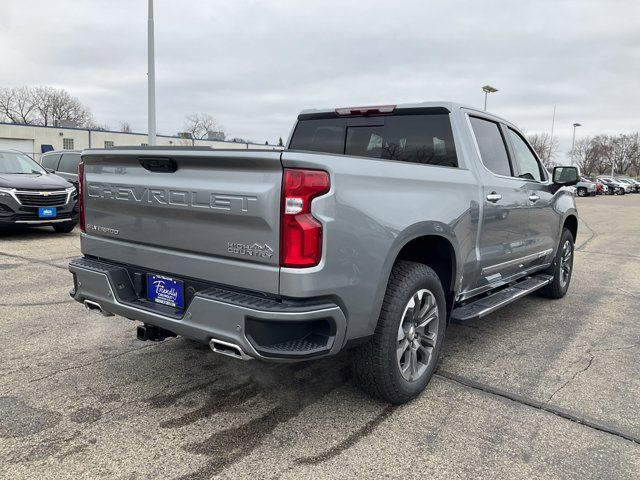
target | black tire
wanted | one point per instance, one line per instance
(64, 227)
(560, 285)
(377, 364)
(582, 192)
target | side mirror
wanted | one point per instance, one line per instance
(566, 176)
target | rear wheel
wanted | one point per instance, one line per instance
(582, 192)
(64, 227)
(561, 269)
(398, 362)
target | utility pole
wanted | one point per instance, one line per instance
(151, 78)
(553, 123)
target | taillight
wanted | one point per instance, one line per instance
(81, 195)
(300, 232)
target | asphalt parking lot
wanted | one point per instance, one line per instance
(541, 389)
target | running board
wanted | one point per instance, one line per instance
(486, 305)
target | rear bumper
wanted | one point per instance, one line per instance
(261, 327)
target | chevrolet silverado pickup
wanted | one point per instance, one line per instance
(371, 231)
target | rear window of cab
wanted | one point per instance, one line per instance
(425, 139)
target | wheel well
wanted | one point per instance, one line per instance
(571, 222)
(437, 253)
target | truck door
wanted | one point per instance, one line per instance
(502, 240)
(543, 220)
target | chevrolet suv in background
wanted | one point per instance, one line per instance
(64, 164)
(31, 196)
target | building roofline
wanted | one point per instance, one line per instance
(116, 131)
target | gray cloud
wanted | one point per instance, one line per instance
(255, 64)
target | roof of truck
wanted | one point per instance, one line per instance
(450, 106)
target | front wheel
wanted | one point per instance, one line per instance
(397, 363)
(561, 268)
(582, 192)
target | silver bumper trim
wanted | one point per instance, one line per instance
(36, 222)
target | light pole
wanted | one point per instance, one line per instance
(151, 78)
(487, 89)
(573, 142)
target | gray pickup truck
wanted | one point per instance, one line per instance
(371, 231)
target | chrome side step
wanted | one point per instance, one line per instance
(489, 304)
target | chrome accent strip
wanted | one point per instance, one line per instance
(501, 282)
(36, 222)
(69, 191)
(525, 259)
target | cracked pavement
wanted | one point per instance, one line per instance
(540, 389)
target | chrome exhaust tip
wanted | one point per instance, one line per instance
(96, 308)
(228, 349)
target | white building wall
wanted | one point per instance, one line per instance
(96, 139)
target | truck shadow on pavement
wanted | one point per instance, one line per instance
(268, 394)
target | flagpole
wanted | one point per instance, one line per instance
(151, 77)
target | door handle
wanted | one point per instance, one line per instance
(494, 197)
(534, 198)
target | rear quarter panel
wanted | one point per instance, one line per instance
(373, 209)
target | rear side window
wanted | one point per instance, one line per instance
(426, 139)
(528, 166)
(493, 150)
(50, 161)
(69, 163)
(326, 135)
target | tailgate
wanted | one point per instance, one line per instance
(210, 215)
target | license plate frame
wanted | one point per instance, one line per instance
(165, 290)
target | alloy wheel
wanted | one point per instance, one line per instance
(417, 335)
(565, 263)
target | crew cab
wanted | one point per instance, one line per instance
(371, 231)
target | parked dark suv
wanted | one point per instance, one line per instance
(31, 196)
(64, 164)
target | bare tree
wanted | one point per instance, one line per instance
(590, 155)
(42, 106)
(546, 147)
(622, 152)
(198, 124)
(602, 152)
(16, 105)
(125, 127)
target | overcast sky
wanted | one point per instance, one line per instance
(254, 65)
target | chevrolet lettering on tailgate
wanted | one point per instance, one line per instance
(170, 197)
